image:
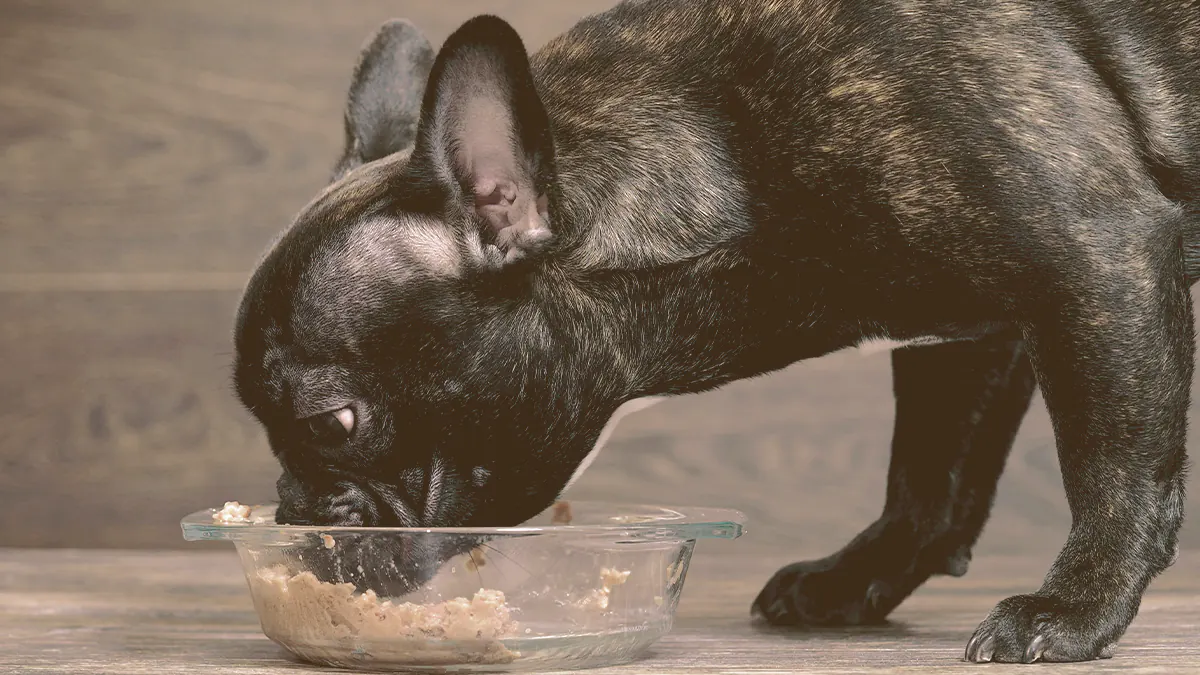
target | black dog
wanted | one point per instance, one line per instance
(677, 194)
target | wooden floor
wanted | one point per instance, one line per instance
(147, 613)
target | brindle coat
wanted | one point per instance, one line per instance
(680, 193)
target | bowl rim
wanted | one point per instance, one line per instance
(665, 522)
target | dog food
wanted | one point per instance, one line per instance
(232, 512)
(333, 623)
(562, 514)
(475, 560)
(609, 579)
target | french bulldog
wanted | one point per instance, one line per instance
(676, 194)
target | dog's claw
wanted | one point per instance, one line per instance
(1040, 628)
(1033, 652)
(767, 607)
(981, 649)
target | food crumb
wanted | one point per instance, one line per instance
(595, 599)
(232, 512)
(562, 514)
(475, 560)
(328, 539)
(609, 578)
(613, 577)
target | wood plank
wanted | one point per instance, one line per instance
(118, 419)
(150, 150)
(174, 612)
(181, 135)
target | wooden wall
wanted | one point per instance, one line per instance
(149, 149)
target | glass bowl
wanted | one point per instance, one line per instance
(545, 595)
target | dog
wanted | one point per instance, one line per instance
(675, 194)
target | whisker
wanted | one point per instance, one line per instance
(505, 555)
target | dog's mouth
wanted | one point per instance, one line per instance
(336, 498)
(390, 564)
(440, 504)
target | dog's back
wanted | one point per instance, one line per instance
(930, 114)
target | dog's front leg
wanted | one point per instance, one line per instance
(1112, 343)
(958, 408)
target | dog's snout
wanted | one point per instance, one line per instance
(397, 503)
(343, 514)
(344, 505)
(412, 484)
(418, 497)
(348, 505)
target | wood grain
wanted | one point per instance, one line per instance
(119, 417)
(154, 613)
(148, 153)
(108, 440)
(180, 135)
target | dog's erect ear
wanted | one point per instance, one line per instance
(485, 136)
(384, 104)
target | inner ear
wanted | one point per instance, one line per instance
(485, 134)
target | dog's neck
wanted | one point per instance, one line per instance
(637, 336)
(636, 196)
(681, 328)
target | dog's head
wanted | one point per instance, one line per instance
(396, 342)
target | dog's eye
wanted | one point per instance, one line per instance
(331, 428)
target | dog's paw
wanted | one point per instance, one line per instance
(822, 593)
(1031, 628)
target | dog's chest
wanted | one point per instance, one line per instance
(866, 346)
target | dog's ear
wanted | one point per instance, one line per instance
(485, 137)
(384, 103)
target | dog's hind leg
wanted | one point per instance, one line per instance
(958, 408)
